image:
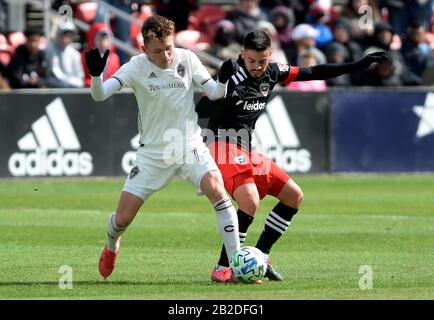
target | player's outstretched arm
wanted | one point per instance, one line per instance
(217, 89)
(327, 71)
(96, 64)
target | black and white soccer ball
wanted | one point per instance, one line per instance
(248, 264)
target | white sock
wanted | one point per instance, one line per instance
(228, 225)
(113, 233)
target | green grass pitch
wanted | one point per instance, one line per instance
(346, 222)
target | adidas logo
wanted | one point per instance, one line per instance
(276, 137)
(152, 75)
(43, 148)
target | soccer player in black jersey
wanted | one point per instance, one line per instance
(249, 175)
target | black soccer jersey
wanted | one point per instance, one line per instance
(233, 118)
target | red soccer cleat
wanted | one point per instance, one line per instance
(221, 274)
(107, 261)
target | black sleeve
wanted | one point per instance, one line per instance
(327, 71)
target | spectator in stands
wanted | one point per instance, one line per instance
(224, 45)
(277, 54)
(283, 20)
(384, 74)
(317, 17)
(176, 10)
(99, 36)
(417, 53)
(303, 37)
(121, 26)
(307, 58)
(342, 35)
(29, 66)
(337, 53)
(267, 6)
(392, 73)
(402, 12)
(66, 69)
(362, 15)
(246, 18)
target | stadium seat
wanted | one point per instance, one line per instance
(16, 39)
(192, 39)
(86, 11)
(205, 16)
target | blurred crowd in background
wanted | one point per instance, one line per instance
(304, 33)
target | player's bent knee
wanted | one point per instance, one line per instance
(249, 207)
(248, 203)
(293, 197)
(300, 198)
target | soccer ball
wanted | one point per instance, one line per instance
(248, 264)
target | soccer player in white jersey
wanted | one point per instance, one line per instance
(163, 79)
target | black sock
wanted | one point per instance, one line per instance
(277, 222)
(244, 221)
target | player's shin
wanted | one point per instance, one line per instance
(113, 233)
(244, 221)
(277, 222)
(227, 224)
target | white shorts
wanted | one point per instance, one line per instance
(150, 174)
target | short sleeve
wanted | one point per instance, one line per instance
(200, 74)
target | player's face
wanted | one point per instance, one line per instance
(160, 52)
(256, 62)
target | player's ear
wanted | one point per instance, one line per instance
(242, 53)
(144, 48)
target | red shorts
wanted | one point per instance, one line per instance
(238, 167)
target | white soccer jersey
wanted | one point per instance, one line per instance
(165, 97)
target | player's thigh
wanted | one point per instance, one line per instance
(232, 162)
(201, 170)
(270, 179)
(147, 176)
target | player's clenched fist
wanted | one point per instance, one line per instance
(227, 70)
(95, 63)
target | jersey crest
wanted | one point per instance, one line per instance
(240, 160)
(282, 67)
(264, 87)
(181, 70)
